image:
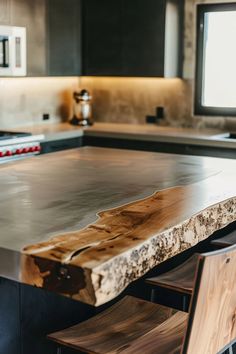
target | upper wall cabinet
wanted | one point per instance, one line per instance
(64, 37)
(53, 34)
(102, 37)
(99, 37)
(132, 38)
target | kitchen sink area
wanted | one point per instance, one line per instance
(231, 136)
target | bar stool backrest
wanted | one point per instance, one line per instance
(212, 318)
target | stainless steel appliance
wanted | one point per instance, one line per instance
(82, 109)
(12, 51)
(15, 146)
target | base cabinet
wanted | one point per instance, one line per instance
(155, 146)
(59, 145)
(28, 314)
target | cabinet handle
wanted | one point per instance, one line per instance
(5, 52)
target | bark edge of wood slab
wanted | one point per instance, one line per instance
(95, 264)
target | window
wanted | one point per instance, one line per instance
(215, 90)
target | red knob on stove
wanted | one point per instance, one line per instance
(37, 148)
(1, 154)
(31, 149)
(8, 153)
(25, 150)
(18, 151)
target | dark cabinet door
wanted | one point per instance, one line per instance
(143, 37)
(102, 37)
(64, 37)
(132, 37)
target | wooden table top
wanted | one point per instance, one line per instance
(87, 222)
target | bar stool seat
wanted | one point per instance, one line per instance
(127, 327)
(179, 279)
(135, 326)
(226, 241)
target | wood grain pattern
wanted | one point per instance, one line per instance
(209, 328)
(127, 241)
(118, 329)
(165, 338)
(211, 325)
(180, 279)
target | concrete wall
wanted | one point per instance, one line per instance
(130, 100)
(23, 101)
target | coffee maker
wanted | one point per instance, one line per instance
(82, 109)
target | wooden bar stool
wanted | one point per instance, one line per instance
(134, 326)
(117, 327)
(179, 280)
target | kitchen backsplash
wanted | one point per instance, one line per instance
(130, 100)
(23, 101)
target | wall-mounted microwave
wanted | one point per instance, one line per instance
(12, 51)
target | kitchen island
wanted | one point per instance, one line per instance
(85, 223)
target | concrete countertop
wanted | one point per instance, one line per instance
(151, 132)
(142, 132)
(55, 131)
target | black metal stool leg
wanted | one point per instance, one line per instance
(153, 295)
(59, 350)
(185, 304)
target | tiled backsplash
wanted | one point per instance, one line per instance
(23, 101)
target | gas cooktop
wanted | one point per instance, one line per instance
(18, 145)
(5, 135)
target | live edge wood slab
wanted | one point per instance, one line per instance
(87, 222)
